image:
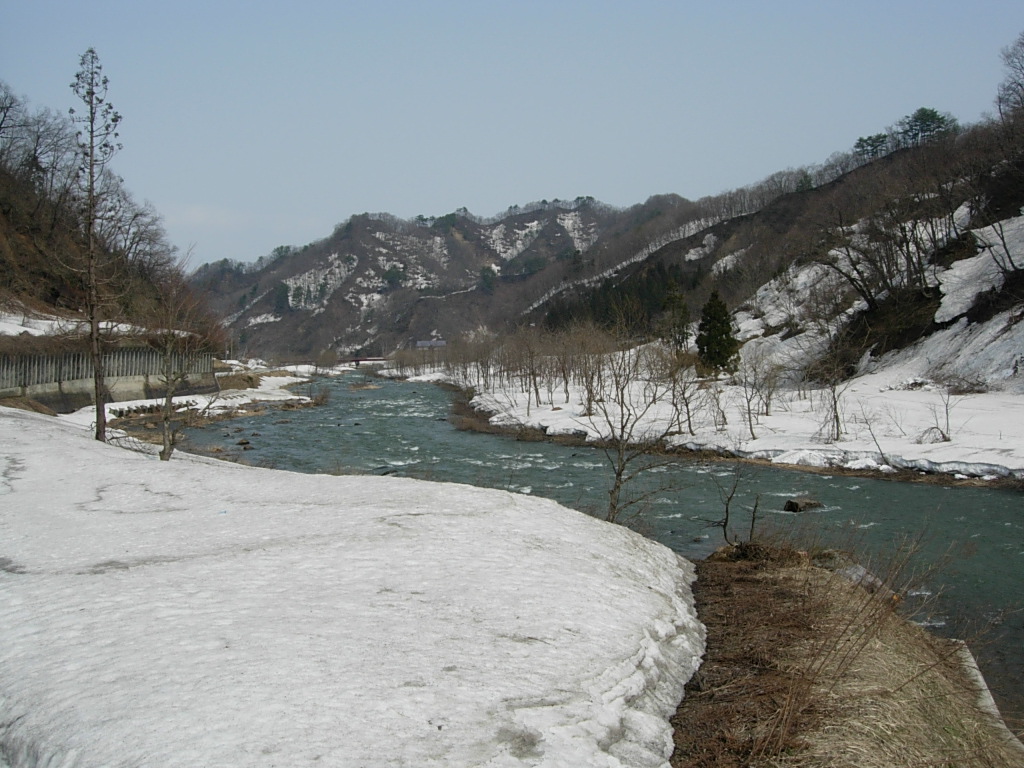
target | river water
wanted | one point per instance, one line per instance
(379, 426)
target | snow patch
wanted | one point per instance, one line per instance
(196, 612)
(583, 236)
(509, 241)
(962, 283)
(261, 319)
(702, 251)
(727, 262)
(311, 290)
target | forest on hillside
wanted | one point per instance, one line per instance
(73, 238)
(884, 224)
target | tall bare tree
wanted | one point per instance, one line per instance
(97, 141)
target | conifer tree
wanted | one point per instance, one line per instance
(925, 125)
(716, 343)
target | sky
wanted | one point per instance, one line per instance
(250, 125)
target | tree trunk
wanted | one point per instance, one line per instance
(167, 427)
(96, 350)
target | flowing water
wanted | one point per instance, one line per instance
(378, 426)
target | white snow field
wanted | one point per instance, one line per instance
(201, 613)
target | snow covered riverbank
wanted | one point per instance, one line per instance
(887, 427)
(195, 612)
(892, 419)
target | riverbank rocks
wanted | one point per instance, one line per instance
(801, 504)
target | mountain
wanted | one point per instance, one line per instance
(379, 282)
(884, 224)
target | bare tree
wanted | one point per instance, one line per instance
(758, 375)
(527, 358)
(1010, 94)
(626, 415)
(326, 360)
(714, 395)
(564, 352)
(748, 388)
(39, 158)
(727, 494)
(184, 331)
(858, 250)
(868, 419)
(13, 122)
(685, 388)
(830, 372)
(591, 344)
(996, 242)
(97, 142)
(880, 231)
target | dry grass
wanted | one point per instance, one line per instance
(239, 381)
(807, 669)
(26, 404)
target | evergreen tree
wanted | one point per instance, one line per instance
(870, 147)
(716, 344)
(488, 280)
(281, 300)
(925, 125)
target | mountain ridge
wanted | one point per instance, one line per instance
(377, 279)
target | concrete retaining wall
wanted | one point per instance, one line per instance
(64, 382)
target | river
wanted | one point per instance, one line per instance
(380, 426)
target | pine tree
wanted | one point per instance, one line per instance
(925, 125)
(488, 279)
(716, 344)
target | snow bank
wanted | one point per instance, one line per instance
(202, 613)
(885, 420)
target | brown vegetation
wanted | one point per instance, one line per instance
(26, 404)
(805, 668)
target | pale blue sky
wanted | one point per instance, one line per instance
(256, 124)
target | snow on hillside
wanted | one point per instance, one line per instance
(583, 236)
(728, 262)
(19, 325)
(702, 251)
(508, 241)
(963, 282)
(311, 289)
(643, 254)
(951, 403)
(29, 323)
(196, 612)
